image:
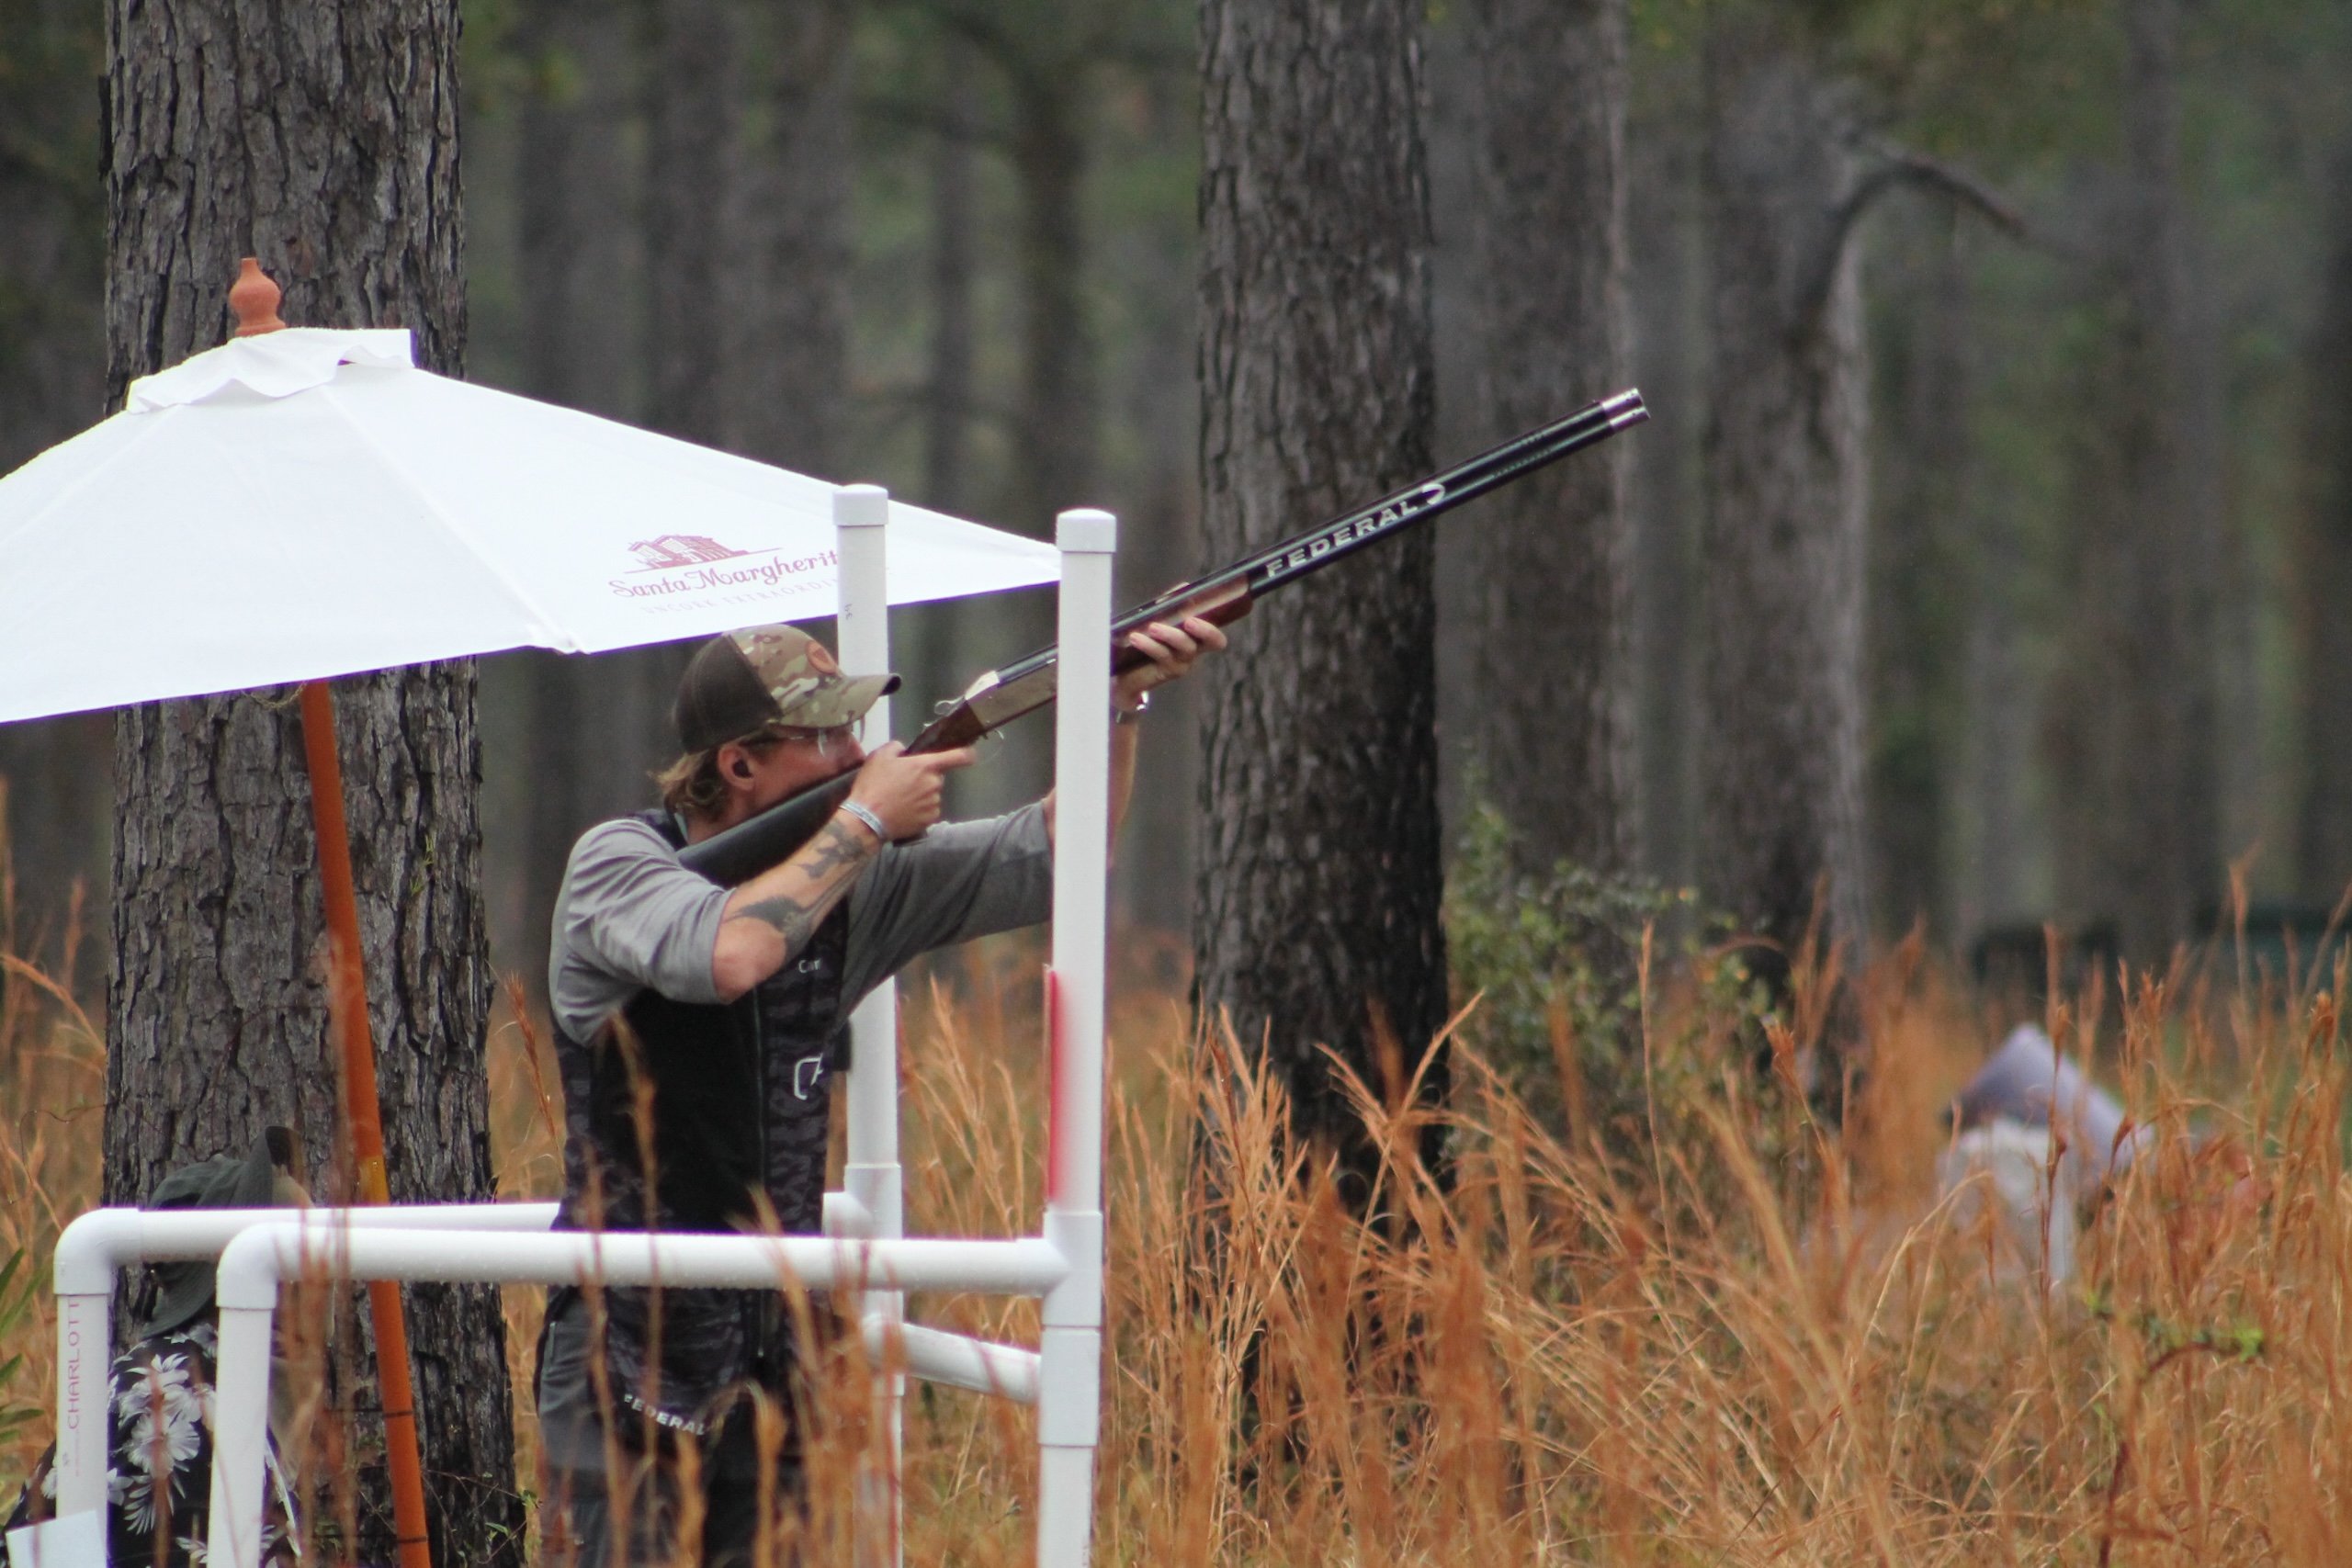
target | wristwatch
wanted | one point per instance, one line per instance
(1120, 716)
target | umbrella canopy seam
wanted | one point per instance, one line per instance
(544, 624)
(139, 437)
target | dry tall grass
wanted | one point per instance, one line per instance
(1751, 1340)
(52, 1062)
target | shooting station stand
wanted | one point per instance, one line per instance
(864, 1248)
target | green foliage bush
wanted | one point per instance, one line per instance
(1555, 963)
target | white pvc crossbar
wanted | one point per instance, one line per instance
(958, 1359)
(260, 1259)
(98, 1245)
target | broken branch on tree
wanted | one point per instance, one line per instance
(1898, 166)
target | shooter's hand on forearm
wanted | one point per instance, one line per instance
(1171, 652)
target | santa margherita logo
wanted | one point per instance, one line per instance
(679, 549)
(697, 565)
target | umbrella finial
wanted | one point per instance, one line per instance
(254, 299)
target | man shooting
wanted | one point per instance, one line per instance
(729, 1005)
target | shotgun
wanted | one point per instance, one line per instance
(1001, 696)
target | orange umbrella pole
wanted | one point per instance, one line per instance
(347, 1011)
(255, 297)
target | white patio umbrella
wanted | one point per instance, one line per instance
(305, 503)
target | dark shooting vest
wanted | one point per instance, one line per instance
(742, 1100)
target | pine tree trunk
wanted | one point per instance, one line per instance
(54, 822)
(690, 53)
(570, 174)
(1315, 905)
(1997, 845)
(791, 281)
(324, 140)
(52, 344)
(933, 658)
(1785, 482)
(2135, 711)
(1044, 59)
(1550, 556)
(2324, 607)
(51, 338)
(1668, 364)
(593, 732)
(1160, 530)
(2169, 859)
(1058, 417)
(692, 90)
(1919, 582)
(953, 256)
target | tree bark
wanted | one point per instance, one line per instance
(324, 140)
(2324, 607)
(793, 223)
(691, 54)
(1785, 480)
(1058, 416)
(693, 125)
(53, 343)
(595, 726)
(570, 171)
(951, 268)
(1919, 582)
(54, 823)
(1465, 425)
(1316, 903)
(51, 338)
(2139, 725)
(1998, 833)
(1550, 556)
(953, 263)
(2172, 480)
(1045, 57)
(1668, 364)
(1160, 527)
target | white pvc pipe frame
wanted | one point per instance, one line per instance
(95, 1248)
(97, 1245)
(1064, 1265)
(871, 1177)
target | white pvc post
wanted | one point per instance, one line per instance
(239, 1432)
(870, 1175)
(83, 1358)
(93, 1247)
(253, 1266)
(1070, 1392)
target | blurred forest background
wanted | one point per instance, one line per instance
(952, 246)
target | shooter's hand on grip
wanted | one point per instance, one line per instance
(903, 791)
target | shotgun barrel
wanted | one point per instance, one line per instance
(1003, 694)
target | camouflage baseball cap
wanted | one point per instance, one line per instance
(739, 681)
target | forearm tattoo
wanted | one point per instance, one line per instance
(827, 867)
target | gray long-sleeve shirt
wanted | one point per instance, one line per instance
(630, 918)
